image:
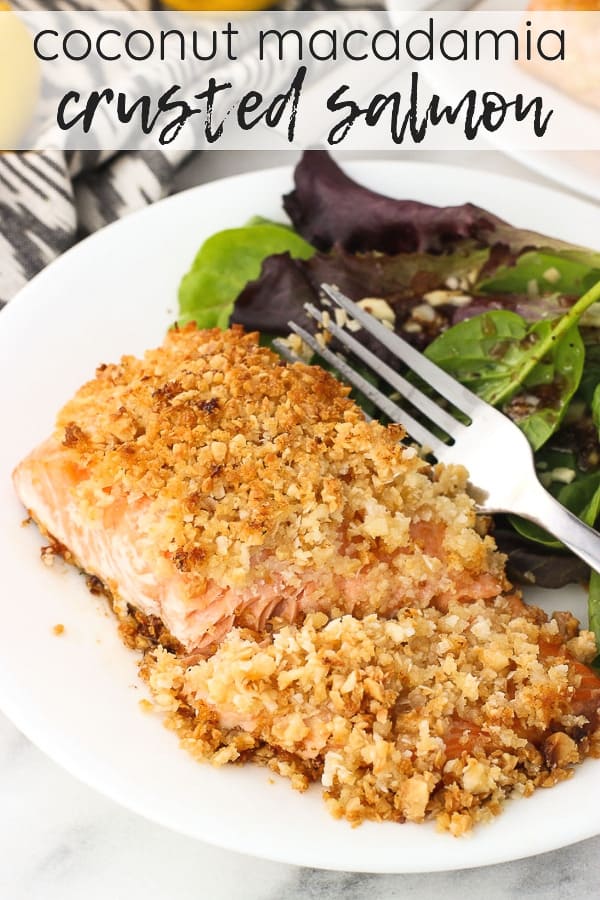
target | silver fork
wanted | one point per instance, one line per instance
(493, 449)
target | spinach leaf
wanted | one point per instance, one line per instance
(547, 460)
(474, 351)
(223, 266)
(552, 382)
(594, 612)
(596, 407)
(548, 337)
(502, 355)
(261, 220)
(582, 497)
(591, 373)
(567, 272)
(491, 354)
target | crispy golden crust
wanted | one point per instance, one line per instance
(430, 715)
(249, 465)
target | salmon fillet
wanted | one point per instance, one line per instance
(210, 485)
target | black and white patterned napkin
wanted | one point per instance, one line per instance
(50, 199)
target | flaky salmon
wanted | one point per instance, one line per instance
(210, 485)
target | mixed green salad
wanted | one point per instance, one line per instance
(512, 314)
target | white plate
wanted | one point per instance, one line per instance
(76, 696)
(577, 170)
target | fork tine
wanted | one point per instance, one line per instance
(410, 392)
(417, 431)
(461, 397)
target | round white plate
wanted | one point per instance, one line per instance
(76, 696)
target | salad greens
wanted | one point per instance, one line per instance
(496, 354)
(510, 313)
(596, 407)
(565, 272)
(225, 263)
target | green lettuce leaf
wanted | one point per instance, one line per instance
(594, 612)
(568, 272)
(596, 407)
(223, 266)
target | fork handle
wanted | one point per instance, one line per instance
(541, 507)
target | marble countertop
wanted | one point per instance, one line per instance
(59, 840)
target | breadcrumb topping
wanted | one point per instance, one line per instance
(250, 471)
(429, 715)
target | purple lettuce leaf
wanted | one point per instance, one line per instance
(327, 207)
(278, 295)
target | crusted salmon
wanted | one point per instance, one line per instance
(427, 715)
(210, 485)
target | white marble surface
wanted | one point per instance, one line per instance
(59, 840)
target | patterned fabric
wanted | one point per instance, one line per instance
(50, 199)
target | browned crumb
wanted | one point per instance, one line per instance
(53, 551)
(58, 629)
(243, 464)
(96, 587)
(142, 632)
(432, 715)
(47, 555)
